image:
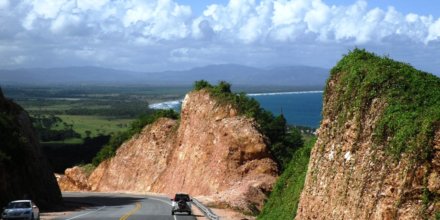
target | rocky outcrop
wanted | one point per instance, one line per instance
(24, 171)
(74, 179)
(139, 163)
(213, 152)
(352, 175)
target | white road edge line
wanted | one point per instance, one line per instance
(86, 213)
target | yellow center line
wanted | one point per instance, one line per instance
(138, 206)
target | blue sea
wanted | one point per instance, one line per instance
(299, 108)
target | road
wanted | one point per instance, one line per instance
(114, 206)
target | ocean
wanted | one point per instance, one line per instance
(299, 108)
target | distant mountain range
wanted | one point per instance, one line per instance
(235, 74)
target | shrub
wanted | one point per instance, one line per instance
(412, 97)
(283, 201)
(202, 84)
(87, 168)
(12, 141)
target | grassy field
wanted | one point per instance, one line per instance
(95, 124)
(75, 122)
(90, 110)
(71, 141)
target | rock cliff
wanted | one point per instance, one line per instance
(211, 152)
(24, 171)
(74, 179)
(378, 150)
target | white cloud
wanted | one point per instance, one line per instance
(317, 17)
(246, 21)
(255, 27)
(283, 20)
(434, 31)
(145, 30)
(65, 22)
(4, 4)
(47, 9)
(289, 12)
(163, 19)
(138, 14)
(91, 5)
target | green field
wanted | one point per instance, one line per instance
(71, 141)
(89, 111)
(74, 123)
(97, 125)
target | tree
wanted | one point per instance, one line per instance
(223, 87)
(88, 133)
(201, 84)
(277, 129)
(294, 138)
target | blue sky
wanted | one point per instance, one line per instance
(157, 35)
(422, 7)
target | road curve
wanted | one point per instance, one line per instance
(115, 206)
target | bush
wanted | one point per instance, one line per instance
(12, 141)
(202, 84)
(283, 201)
(146, 119)
(87, 168)
(412, 112)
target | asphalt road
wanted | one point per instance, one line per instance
(113, 206)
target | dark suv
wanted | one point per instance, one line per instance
(181, 203)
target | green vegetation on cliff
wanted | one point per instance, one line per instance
(283, 201)
(408, 103)
(11, 139)
(412, 101)
(23, 169)
(283, 142)
(410, 111)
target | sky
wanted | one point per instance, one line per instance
(159, 35)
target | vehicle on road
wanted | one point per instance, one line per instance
(21, 209)
(181, 203)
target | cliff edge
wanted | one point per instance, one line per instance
(24, 171)
(378, 150)
(211, 152)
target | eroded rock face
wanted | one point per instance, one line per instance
(73, 180)
(213, 152)
(350, 177)
(139, 163)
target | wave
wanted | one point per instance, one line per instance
(175, 104)
(284, 93)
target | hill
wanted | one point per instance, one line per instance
(213, 152)
(237, 74)
(377, 155)
(24, 171)
(378, 151)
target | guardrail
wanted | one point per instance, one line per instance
(206, 211)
